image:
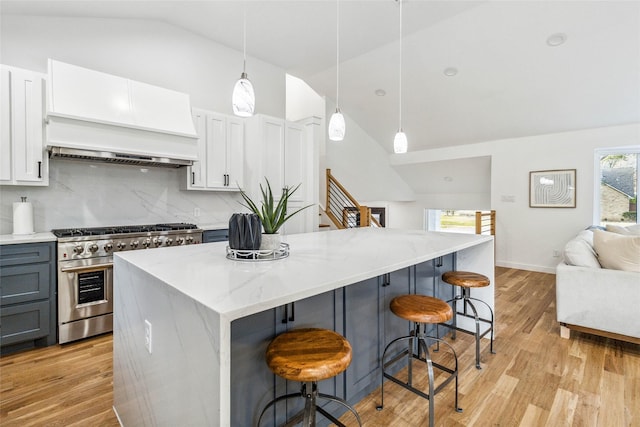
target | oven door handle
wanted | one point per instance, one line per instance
(86, 267)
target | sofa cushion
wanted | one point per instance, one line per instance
(579, 251)
(631, 230)
(617, 251)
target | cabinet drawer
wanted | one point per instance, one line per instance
(27, 253)
(23, 283)
(24, 322)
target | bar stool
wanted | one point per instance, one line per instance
(467, 280)
(308, 356)
(421, 310)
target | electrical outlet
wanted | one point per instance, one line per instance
(196, 212)
(147, 336)
(556, 253)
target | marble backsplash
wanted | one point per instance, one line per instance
(87, 194)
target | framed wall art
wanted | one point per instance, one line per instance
(552, 189)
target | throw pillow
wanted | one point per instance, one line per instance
(632, 230)
(617, 251)
(579, 251)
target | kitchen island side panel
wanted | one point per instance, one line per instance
(179, 381)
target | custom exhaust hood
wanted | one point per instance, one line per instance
(100, 117)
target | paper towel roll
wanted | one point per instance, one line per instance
(22, 218)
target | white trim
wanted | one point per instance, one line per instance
(528, 267)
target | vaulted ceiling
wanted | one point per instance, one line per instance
(510, 81)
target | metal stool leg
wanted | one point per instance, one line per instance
(422, 349)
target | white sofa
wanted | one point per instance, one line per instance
(602, 301)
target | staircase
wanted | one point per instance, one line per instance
(342, 208)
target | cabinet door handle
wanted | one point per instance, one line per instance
(39, 169)
(286, 313)
(386, 280)
(439, 262)
(193, 178)
(292, 318)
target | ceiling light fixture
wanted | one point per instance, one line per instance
(243, 98)
(337, 127)
(400, 140)
(450, 71)
(380, 92)
(556, 39)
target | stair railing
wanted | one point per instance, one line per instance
(343, 209)
(486, 222)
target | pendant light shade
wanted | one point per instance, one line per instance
(400, 141)
(337, 126)
(243, 99)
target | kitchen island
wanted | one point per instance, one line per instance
(210, 318)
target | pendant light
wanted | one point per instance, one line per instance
(243, 98)
(336, 123)
(400, 140)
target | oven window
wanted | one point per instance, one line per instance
(91, 287)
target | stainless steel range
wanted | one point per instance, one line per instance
(85, 270)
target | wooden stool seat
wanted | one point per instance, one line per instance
(421, 309)
(309, 354)
(465, 279)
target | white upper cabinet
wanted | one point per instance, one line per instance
(84, 94)
(284, 152)
(24, 161)
(220, 164)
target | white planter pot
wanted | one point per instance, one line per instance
(270, 242)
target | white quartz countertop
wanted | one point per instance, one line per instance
(13, 239)
(318, 262)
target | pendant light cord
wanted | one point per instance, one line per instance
(337, 54)
(400, 72)
(244, 37)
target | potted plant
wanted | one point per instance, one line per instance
(272, 215)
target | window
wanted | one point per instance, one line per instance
(617, 186)
(455, 221)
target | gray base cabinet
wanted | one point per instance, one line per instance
(209, 236)
(27, 296)
(360, 312)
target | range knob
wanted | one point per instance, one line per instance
(189, 239)
(78, 249)
(179, 240)
(146, 243)
(121, 245)
(157, 241)
(135, 244)
(93, 248)
(108, 247)
(168, 241)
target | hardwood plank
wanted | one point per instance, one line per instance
(535, 379)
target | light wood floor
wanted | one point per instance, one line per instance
(535, 379)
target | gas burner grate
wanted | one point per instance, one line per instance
(122, 229)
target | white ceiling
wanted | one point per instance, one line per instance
(510, 82)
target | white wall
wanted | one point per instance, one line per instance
(82, 194)
(526, 237)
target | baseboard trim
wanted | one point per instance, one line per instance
(527, 267)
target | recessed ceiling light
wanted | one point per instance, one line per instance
(380, 92)
(556, 39)
(448, 178)
(450, 71)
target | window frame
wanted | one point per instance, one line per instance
(599, 153)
